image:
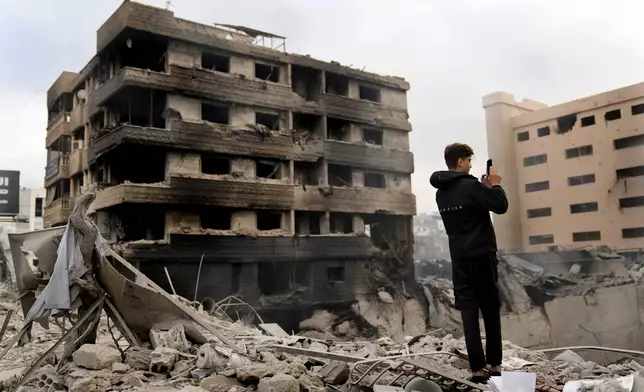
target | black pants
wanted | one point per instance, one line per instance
(476, 290)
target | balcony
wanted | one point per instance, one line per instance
(377, 158)
(259, 195)
(214, 138)
(236, 90)
(354, 199)
(59, 126)
(56, 170)
(76, 161)
(200, 191)
(57, 212)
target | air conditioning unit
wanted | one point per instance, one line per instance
(77, 144)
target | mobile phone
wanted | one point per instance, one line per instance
(489, 165)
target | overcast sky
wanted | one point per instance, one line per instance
(452, 53)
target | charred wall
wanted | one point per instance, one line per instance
(215, 138)
(237, 89)
(159, 21)
(313, 268)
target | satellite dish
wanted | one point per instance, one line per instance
(81, 94)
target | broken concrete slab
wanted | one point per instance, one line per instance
(162, 360)
(335, 373)
(253, 373)
(120, 368)
(317, 346)
(569, 357)
(219, 383)
(96, 357)
(174, 338)
(138, 358)
(279, 383)
(209, 358)
(274, 330)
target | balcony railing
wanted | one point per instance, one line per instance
(59, 126)
(58, 211)
(57, 166)
(62, 116)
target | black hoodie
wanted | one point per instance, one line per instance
(465, 204)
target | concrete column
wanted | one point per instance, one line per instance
(355, 133)
(357, 178)
(179, 221)
(243, 167)
(189, 108)
(291, 172)
(243, 220)
(323, 82)
(180, 163)
(500, 108)
(358, 224)
(286, 222)
(289, 120)
(240, 116)
(287, 75)
(325, 223)
(320, 132)
(354, 89)
(291, 217)
(323, 172)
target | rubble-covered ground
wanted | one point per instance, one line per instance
(258, 362)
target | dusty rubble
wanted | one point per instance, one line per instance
(137, 337)
(172, 363)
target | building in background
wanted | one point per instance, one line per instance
(430, 237)
(573, 173)
(21, 209)
(206, 144)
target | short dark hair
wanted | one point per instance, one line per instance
(457, 151)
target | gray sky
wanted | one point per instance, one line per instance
(452, 53)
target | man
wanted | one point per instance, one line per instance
(465, 204)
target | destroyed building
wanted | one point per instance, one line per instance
(287, 176)
(585, 297)
(573, 172)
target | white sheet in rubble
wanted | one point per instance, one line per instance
(60, 294)
(624, 382)
(513, 382)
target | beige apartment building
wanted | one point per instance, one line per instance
(573, 173)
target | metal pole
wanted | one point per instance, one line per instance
(198, 276)
(167, 274)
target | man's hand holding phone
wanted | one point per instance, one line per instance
(493, 178)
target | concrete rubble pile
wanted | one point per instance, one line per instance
(118, 330)
(259, 362)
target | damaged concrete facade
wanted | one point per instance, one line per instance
(574, 172)
(288, 174)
